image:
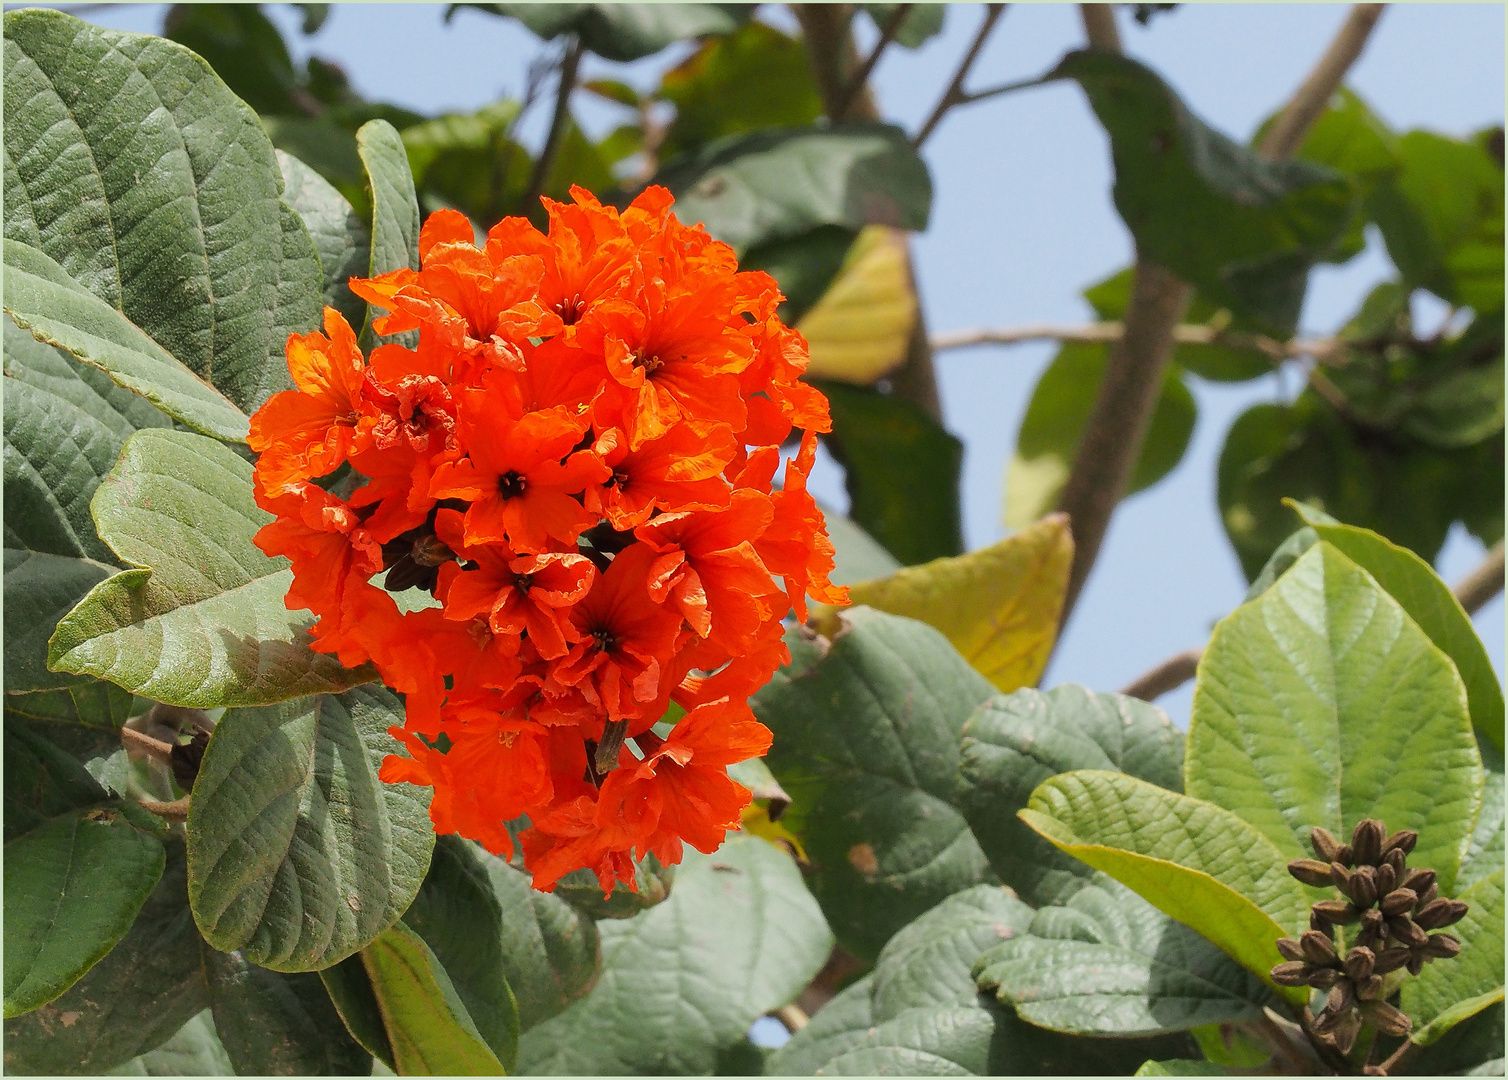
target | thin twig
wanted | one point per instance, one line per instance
(792, 1017)
(1325, 350)
(856, 82)
(1099, 27)
(177, 810)
(1287, 133)
(155, 749)
(1395, 1058)
(954, 95)
(541, 174)
(1483, 583)
(1168, 675)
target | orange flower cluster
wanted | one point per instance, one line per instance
(558, 521)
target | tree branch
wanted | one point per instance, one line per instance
(177, 810)
(792, 1017)
(861, 77)
(954, 94)
(1325, 350)
(156, 749)
(1122, 413)
(569, 65)
(1483, 583)
(1287, 133)
(1168, 675)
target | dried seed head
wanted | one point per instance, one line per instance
(1292, 973)
(1362, 887)
(1387, 1019)
(1310, 872)
(1402, 840)
(1290, 949)
(1325, 846)
(1399, 902)
(1366, 841)
(1440, 912)
(1336, 911)
(1390, 960)
(1443, 946)
(1317, 949)
(1359, 962)
(1387, 878)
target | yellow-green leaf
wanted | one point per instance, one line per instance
(860, 329)
(998, 606)
(1449, 991)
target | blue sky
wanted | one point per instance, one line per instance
(1021, 222)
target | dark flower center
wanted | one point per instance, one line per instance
(511, 484)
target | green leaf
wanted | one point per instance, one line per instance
(350, 990)
(1181, 1067)
(1014, 743)
(1447, 992)
(395, 211)
(41, 297)
(129, 1003)
(738, 937)
(652, 880)
(39, 590)
(430, 1030)
(329, 149)
(1101, 966)
(622, 31)
(920, 25)
(803, 266)
(1485, 855)
(1239, 228)
(1191, 859)
(458, 916)
(272, 1024)
(1461, 409)
(867, 743)
(339, 235)
(298, 855)
(1431, 604)
(1053, 426)
(203, 622)
(42, 781)
(777, 184)
(172, 211)
(195, 1050)
(92, 704)
(244, 48)
(902, 472)
(1441, 217)
(756, 77)
(1469, 1048)
(1321, 703)
(73, 887)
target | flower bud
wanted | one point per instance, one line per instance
(1336, 911)
(1406, 931)
(1387, 1019)
(1418, 880)
(1416, 962)
(1403, 840)
(1310, 872)
(1361, 887)
(1325, 845)
(1387, 878)
(1342, 997)
(1398, 902)
(1340, 877)
(1347, 1026)
(1359, 963)
(1293, 973)
(1443, 946)
(1317, 922)
(1345, 856)
(1290, 949)
(1396, 860)
(1390, 960)
(1369, 989)
(1317, 949)
(1366, 841)
(1323, 978)
(1440, 912)
(1428, 895)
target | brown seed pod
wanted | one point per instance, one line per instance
(1443, 946)
(1387, 1019)
(1292, 973)
(1416, 962)
(1403, 840)
(1340, 877)
(1428, 895)
(1369, 989)
(1395, 859)
(1318, 949)
(1325, 846)
(1318, 923)
(1323, 978)
(1290, 949)
(1387, 878)
(1347, 1027)
(1310, 872)
(1390, 960)
(1406, 931)
(1366, 841)
(1359, 963)
(1345, 856)
(1336, 911)
(1398, 902)
(1362, 887)
(1440, 912)
(1419, 880)
(1342, 997)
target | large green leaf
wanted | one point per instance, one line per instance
(459, 918)
(298, 855)
(95, 704)
(273, 1024)
(622, 31)
(395, 211)
(1470, 1048)
(202, 623)
(1194, 861)
(902, 472)
(39, 590)
(1485, 855)
(41, 297)
(1441, 216)
(132, 1001)
(42, 780)
(195, 1050)
(1015, 742)
(243, 46)
(1054, 423)
(737, 937)
(156, 189)
(756, 77)
(426, 1021)
(351, 992)
(867, 743)
(1447, 992)
(339, 235)
(777, 184)
(73, 887)
(1321, 703)
(1241, 229)
(1428, 601)
(1100, 965)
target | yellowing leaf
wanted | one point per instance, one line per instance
(861, 327)
(756, 822)
(999, 606)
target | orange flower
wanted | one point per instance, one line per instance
(679, 471)
(796, 546)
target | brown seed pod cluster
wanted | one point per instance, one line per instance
(1395, 906)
